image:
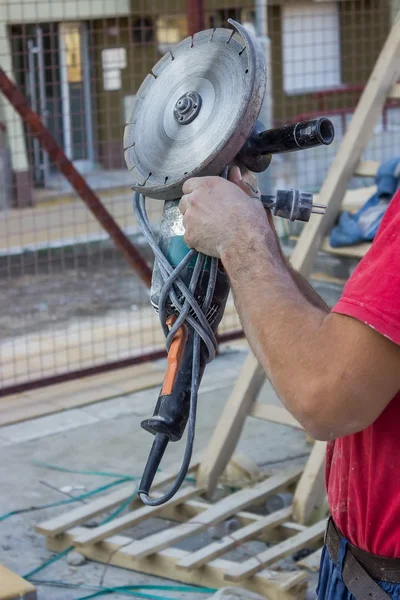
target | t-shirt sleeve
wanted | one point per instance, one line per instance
(372, 294)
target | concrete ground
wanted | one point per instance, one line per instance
(107, 437)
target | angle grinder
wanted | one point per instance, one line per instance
(195, 114)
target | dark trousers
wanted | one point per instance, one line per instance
(330, 584)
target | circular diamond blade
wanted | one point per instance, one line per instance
(172, 135)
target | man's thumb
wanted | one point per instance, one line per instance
(190, 185)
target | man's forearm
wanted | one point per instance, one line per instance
(307, 290)
(281, 316)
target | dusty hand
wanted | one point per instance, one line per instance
(217, 213)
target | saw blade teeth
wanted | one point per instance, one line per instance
(130, 158)
(202, 36)
(129, 134)
(222, 35)
(230, 37)
(137, 175)
(183, 45)
(146, 84)
(164, 62)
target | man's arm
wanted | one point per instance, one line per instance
(333, 373)
(307, 290)
(246, 181)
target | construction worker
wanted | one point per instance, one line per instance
(337, 371)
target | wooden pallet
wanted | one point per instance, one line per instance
(157, 554)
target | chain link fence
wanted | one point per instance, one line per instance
(69, 301)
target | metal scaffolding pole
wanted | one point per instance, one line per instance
(65, 166)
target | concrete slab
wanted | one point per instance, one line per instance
(109, 438)
(45, 426)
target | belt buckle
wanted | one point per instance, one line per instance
(328, 520)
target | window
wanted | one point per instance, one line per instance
(170, 29)
(143, 30)
(310, 47)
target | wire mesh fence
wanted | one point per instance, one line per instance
(69, 300)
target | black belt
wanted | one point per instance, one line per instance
(361, 568)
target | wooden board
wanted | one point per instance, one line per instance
(394, 93)
(357, 251)
(191, 508)
(13, 587)
(309, 497)
(77, 516)
(133, 518)
(204, 555)
(253, 565)
(366, 168)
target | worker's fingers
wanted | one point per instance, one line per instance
(245, 180)
(191, 184)
(184, 204)
(235, 175)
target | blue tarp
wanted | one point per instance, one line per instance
(363, 225)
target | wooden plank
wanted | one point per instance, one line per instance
(230, 424)
(13, 587)
(308, 497)
(274, 414)
(233, 540)
(357, 251)
(77, 516)
(274, 585)
(191, 508)
(133, 518)
(253, 565)
(394, 93)
(366, 168)
(214, 514)
(311, 562)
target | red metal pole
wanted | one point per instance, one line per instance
(62, 162)
(195, 16)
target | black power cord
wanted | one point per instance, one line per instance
(203, 333)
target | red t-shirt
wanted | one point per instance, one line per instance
(363, 470)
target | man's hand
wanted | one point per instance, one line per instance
(217, 212)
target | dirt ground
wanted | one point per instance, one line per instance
(59, 286)
(37, 294)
